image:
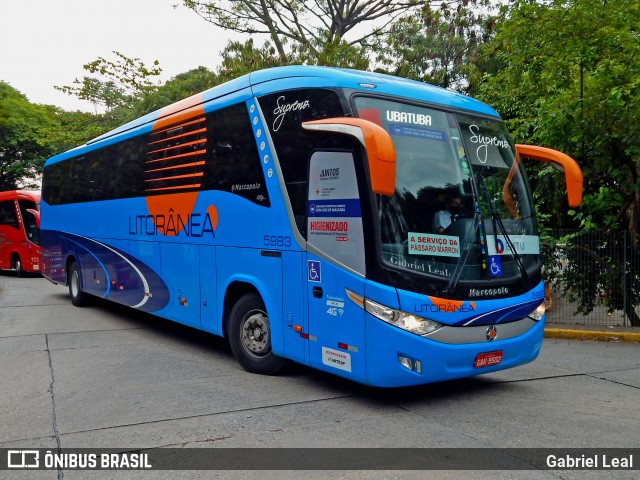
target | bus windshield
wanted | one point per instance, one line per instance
(461, 208)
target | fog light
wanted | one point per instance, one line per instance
(410, 364)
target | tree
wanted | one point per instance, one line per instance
(570, 79)
(311, 26)
(241, 58)
(121, 83)
(23, 146)
(441, 46)
(181, 86)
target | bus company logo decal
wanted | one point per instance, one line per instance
(172, 215)
(283, 108)
(492, 333)
(445, 305)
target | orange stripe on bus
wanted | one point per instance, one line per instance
(178, 116)
(179, 125)
(180, 187)
(194, 164)
(179, 136)
(173, 157)
(195, 142)
(190, 175)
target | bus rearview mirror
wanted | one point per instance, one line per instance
(564, 163)
(381, 153)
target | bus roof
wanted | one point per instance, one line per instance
(274, 79)
(15, 194)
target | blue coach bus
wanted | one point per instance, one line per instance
(291, 210)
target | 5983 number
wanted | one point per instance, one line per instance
(276, 241)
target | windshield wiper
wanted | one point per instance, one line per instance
(496, 220)
(478, 224)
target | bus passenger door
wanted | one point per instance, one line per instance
(335, 265)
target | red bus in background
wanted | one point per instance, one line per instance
(20, 231)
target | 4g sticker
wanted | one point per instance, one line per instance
(335, 306)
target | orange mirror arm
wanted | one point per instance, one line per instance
(572, 173)
(381, 153)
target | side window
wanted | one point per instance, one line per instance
(107, 173)
(284, 112)
(232, 158)
(8, 213)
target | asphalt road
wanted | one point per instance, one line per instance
(104, 376)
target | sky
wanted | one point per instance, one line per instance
(45, 42)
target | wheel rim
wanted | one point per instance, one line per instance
(74, 284)
(18, 265)
(254, 333)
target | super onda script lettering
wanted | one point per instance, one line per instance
(283, 108)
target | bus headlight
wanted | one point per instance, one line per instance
(538, 313)
(406, 321)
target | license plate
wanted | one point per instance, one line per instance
(488, 359)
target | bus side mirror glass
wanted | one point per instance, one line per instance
(381, 153)
(36, 216)
(564, 163)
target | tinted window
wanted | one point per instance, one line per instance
(284, 113)
(232, 158)
(217, 152)
(8, 213)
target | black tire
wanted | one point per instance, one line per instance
(250, 336)
(17, 266)
(78, 297)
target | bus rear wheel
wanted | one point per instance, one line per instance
(250, 336)
(78, 297)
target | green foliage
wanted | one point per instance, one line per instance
(308, 27)
(240, 58)
(441, 45)
(120, 83)
(181, 86)
(23, 145)
(569, 78)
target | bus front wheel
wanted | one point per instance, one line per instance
(250, 336)
(78, 297)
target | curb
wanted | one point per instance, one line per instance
(599, 336)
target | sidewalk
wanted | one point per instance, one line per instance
(600, 333)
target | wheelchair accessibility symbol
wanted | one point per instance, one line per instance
(495, 266)
(313, 271)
